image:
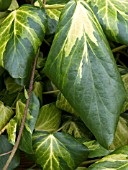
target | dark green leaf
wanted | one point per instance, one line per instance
(58, 151)
(11, 85)
(49, 118)
(5, 147)
(38, 90)
(113, 17)
(81, 65)
(21, 34)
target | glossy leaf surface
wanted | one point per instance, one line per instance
(21, 34)
(113, 17)
(81, 65)
(58, 151)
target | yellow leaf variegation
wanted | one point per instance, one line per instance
(21, 34)
(81, 65)
(113, 16)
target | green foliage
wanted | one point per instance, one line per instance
(80, 86)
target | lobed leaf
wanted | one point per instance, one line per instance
(113, 17)
(81, 64)
(58, 151)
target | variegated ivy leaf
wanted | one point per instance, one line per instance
(21, 34)
(121, 135)
(116, 160)
(15, 123)
(80, 64)
(113, 16)
(58, 151)
(49, 118)
(5, 115)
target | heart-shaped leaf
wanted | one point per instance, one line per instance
(58, 151)
(113, 16)
(81, 65)
(21, 34)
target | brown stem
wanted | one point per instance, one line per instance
(3, 154)
(24, 117)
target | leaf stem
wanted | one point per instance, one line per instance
(89, 162)
(25, 115)
(50, 92)
(56, 6)
(4, 128)
(119, 48)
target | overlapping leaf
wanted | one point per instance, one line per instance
(58, 151)
(81, 65)
(49, 118)
(117, 160)
(113, 16)
(15, 123)
(21, 34)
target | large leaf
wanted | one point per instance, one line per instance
(81, 65)
(58, 151)
(21, 34)
(49, 118)
(113, 16)
(117, 160)
(5, 114)
(5, 147)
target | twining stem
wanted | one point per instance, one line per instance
(119, 48)
(25, 115)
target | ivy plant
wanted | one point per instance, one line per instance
(64, 84)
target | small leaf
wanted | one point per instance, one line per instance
(19, 42)
(95, 149)
(81, 65)
(5, 147)
(109, 11)
(5, 114)
(116, 160)
(11, 85)
(63, 104)
(26, 140)
(11, 130)
(38, 90)
(58, 151)
(49, 118)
